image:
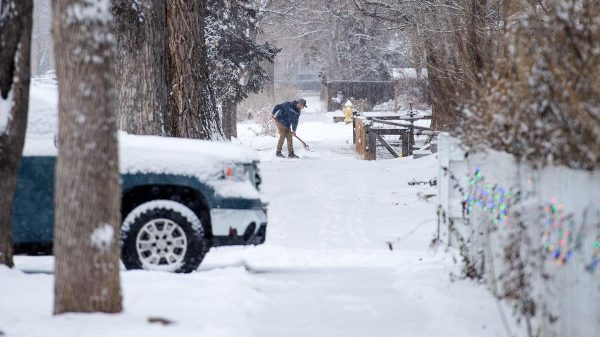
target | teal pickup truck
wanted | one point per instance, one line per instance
(180, 197)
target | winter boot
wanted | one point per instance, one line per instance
(278, 154)
(292, 155)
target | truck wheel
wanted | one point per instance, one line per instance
(163, 235)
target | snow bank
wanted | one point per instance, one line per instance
(218, 303)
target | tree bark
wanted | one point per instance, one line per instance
(234, 120)
(443, 108)
(229, 118)
(87, 223)
(192, 110)
(15, 53)
(142, 64)
(478, 47)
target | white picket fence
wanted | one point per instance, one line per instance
(532, 234)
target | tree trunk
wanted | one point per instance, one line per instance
(87, 223)
(229, 118)
(234, 120)
(142, 66)
(477, 46)
(192, 109)
(15, 42)
(444, 114)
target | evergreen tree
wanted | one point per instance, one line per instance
(234, 55)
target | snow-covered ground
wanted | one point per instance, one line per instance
(326, 268)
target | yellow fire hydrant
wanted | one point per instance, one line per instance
(348, 112)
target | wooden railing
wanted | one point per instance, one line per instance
(369, 132)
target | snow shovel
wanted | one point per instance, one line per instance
(303, 143)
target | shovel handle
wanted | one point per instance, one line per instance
(301, 141)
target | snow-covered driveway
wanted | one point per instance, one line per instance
(326, 269)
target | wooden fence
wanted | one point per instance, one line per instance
(369, 132)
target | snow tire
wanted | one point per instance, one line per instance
(154, 216)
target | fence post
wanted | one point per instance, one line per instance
(353, 127)
(372, 150)
(405, 139)
(412, 127)
(365, 139)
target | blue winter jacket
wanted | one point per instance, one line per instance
(287, 114)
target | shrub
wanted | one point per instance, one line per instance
(543, 103)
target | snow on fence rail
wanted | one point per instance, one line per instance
(533, 235)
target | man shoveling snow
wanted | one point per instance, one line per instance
(285, 117)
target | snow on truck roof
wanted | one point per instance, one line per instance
(168, 154)
(135, 151)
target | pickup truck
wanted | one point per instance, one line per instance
(180, 197)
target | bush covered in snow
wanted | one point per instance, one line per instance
(543, 104)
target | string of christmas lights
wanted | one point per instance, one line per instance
(561, 237)
(490, 198)
(558, 236)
